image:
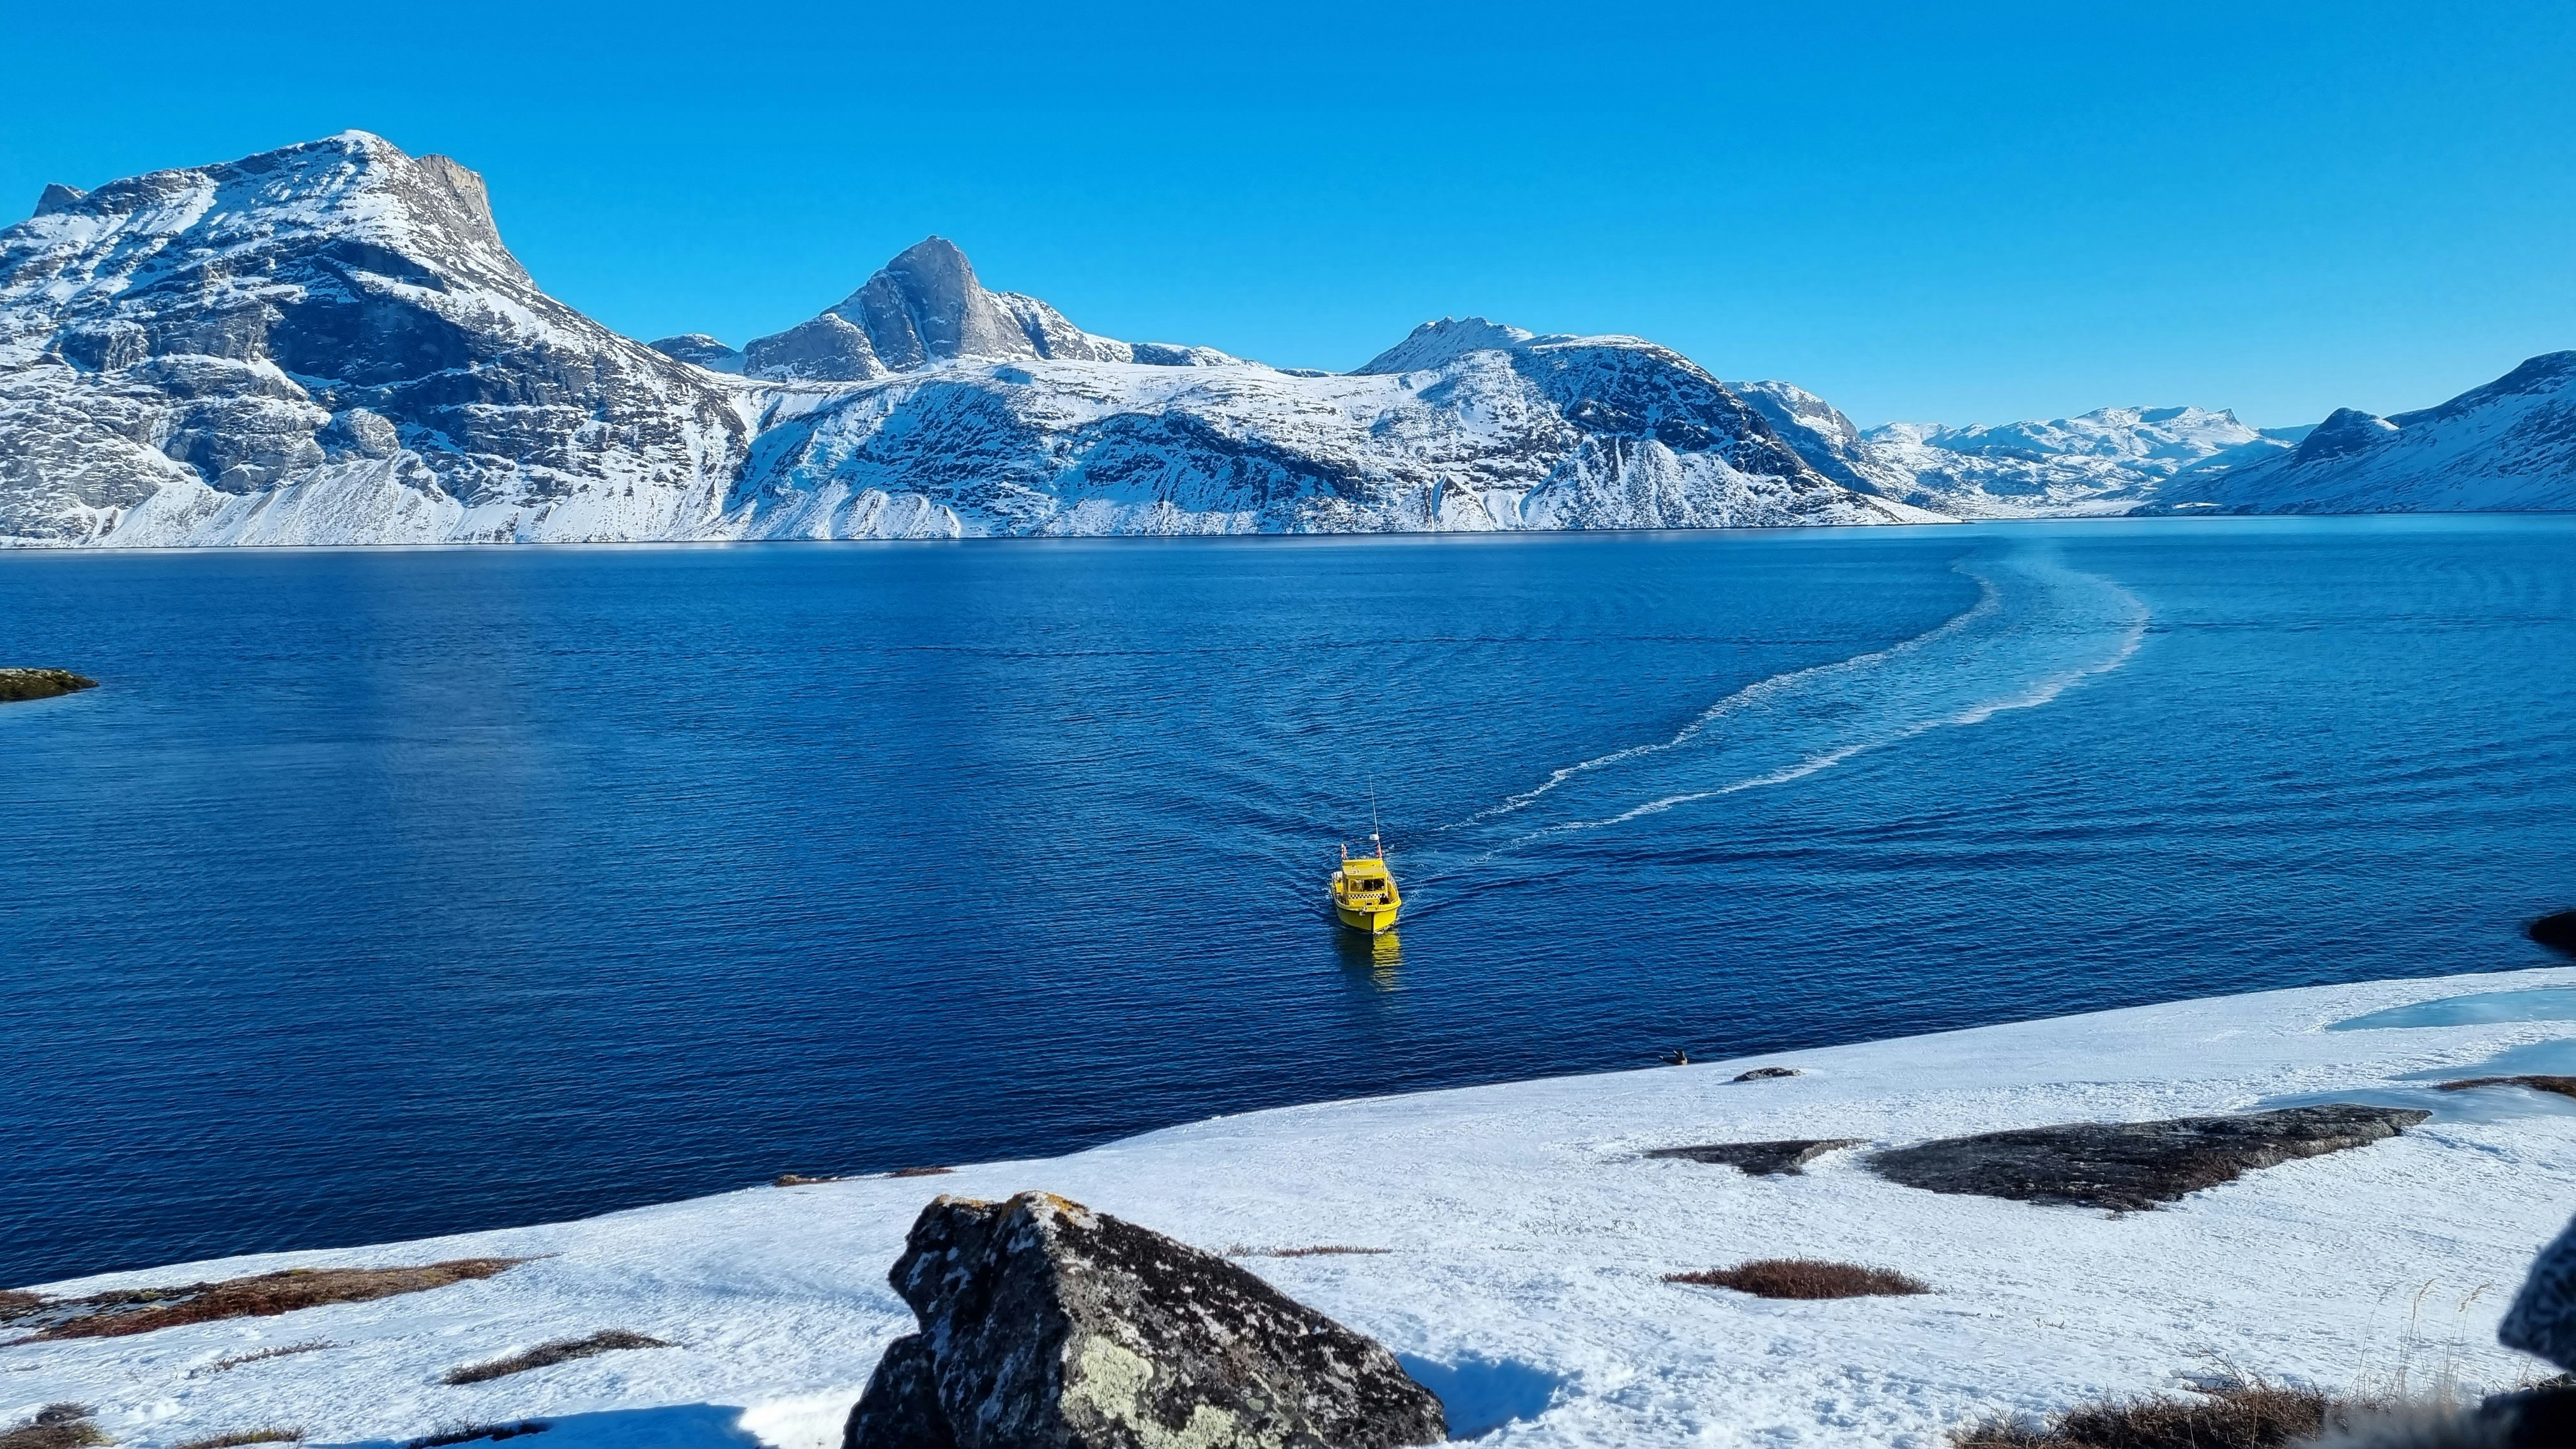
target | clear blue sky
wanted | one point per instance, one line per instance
(1961, 212)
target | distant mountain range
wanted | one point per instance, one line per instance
(330, 344)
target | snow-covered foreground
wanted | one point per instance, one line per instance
(1527, 1241)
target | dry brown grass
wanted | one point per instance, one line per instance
(468, 1433)
(15, 1301)
(1320, 1250)
(240, 1437)
(561, 1350)
(230, 1362)
(2243, 1415)
(142, 1310)
(1804, 1278)
(56, 1426)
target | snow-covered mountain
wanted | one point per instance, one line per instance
(2111, 460)
(330, 344)
(2509, 445)
(327, 343)
(1516, 432)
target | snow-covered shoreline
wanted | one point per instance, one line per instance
(1526, 1240)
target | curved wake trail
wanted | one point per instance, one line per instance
(2038, 629)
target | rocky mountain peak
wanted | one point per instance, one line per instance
(1437, 344)
(57, 196)
(2344, 432)
(923, 308)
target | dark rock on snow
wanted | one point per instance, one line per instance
(1765, 1074)
(2128, 1166)
(1761, 1159)
(2563, 1086)
(41, 683)
(1046, 1324)
(2542, 1318)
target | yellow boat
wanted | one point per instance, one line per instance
(1364, 893)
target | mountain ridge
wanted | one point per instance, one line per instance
(331, 343)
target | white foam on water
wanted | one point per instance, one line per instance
(2037, 630)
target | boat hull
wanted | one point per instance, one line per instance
(1376, 920)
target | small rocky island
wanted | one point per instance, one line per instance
(16, 684)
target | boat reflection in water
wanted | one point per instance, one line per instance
(1379, 956)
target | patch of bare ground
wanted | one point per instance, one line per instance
(142, 1310)
(56, 1426)
(233, 1361)
(240, 1437)
(921, 1172)
(545, 1355)
(1804, 1278)
(2563, 1086)
(2249, 1414)
(468, 1433)
(1761, 1159)
(1320, 1250)
(798, 1179)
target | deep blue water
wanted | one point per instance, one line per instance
(390, 893)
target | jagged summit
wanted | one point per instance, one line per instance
(926, 307)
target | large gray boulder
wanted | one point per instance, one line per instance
(2542, 1319)
(1045, 1325)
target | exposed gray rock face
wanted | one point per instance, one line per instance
(327, 343)
(2131, 1166)
(1045, 1325)
(701, 349)
(925, 307)
(1761, 1159)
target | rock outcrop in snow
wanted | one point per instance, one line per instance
(2132, 1166)
(1046, 1324)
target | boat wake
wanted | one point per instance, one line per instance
(2037, 629)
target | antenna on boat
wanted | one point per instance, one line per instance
(1373, 840)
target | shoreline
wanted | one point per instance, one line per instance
(39, 547)
(1523, 1232)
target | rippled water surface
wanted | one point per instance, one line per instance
(388, 893)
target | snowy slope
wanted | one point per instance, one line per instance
(1514, 432)
(2509, 445)
(1526, 1239)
